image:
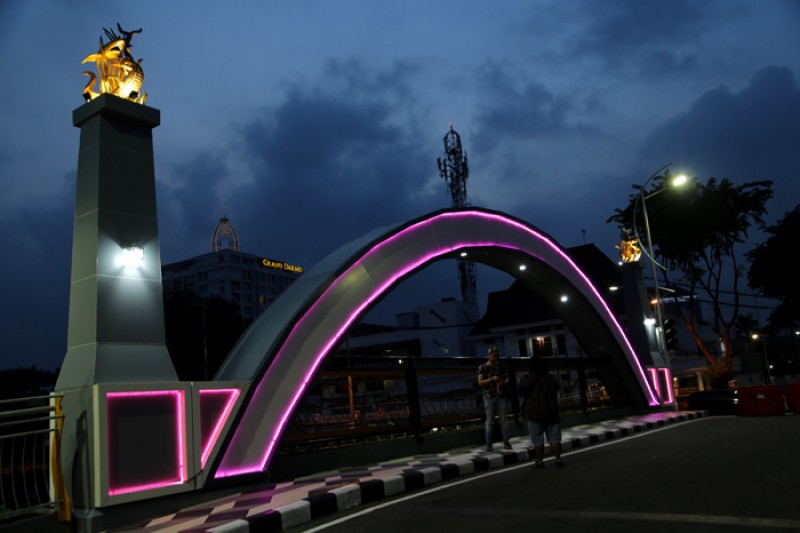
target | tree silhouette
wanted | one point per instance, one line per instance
(26, 382)
(774, 273)
(696, 235)
(200, 332)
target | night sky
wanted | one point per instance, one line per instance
(314, 122)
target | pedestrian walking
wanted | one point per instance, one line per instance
(493, 380)
(539, 390)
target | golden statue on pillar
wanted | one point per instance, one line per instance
(119, 73)
(630, 251)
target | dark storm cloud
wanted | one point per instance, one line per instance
(188, 206)
(744, 136)
(35, 285)
(661, 64)
(519, 109)
(645, 37)
(309, 133)
(37, 280)
(333, 163)
(356, 81)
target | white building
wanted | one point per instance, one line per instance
(249, 281)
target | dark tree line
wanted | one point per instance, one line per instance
(26, 382)
(200, 332)
(773, 270)
(698, 235)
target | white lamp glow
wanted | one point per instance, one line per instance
(131, 256)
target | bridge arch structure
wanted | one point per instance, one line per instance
(283, 349)
(133, 431)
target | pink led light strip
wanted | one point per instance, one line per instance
(298, 394)
(399, 273)
(232, 394)
(667, 381)
(181, 475)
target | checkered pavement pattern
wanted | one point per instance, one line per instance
(279, 506)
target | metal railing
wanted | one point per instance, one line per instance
(355, 400)
(30, 466)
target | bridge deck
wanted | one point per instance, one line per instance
(276, 507)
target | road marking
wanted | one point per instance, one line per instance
(632, 516)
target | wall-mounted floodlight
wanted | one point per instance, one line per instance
(131, 256)
(463, 254)
(522, 267)
(564, 298)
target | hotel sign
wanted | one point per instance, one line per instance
(279, 265)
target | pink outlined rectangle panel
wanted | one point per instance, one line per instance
(146, 440)
(216, 406)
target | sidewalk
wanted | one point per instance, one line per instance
(273, 508)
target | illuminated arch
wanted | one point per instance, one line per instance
(282, 350)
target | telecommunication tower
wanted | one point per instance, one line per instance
(455, 171)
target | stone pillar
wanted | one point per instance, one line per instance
(116, 313)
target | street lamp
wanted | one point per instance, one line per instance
(676, 181)
(764, 358)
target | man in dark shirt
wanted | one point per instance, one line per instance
(539, 390)
(492, 379)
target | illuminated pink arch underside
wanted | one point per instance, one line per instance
(364, 281)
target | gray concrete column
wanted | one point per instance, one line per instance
(116, 314)
(637, 308)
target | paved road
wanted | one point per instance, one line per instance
(712, 474)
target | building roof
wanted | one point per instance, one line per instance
(521, 304)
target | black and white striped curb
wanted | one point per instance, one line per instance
(392, 479)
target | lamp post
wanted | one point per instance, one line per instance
(676, 182)
(764, 358)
